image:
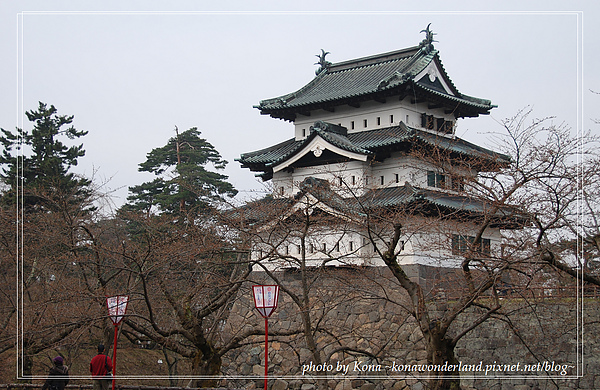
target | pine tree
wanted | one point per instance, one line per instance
(38, 163)
(184, 184)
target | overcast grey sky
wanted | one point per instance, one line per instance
(130, 71)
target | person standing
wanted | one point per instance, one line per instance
(58, 377)
(101, 367)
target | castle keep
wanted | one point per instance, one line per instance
(365, 133)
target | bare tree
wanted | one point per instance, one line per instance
(303, 237)
(43, 288)
(524, 203)
(183, 279)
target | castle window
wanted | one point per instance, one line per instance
(303, 132)
(438, 124)
(406, 119)
(435, 179)
(397, 178)
(336, 248)
(352, 125)
(353, 180)
(351, 246)
(364, 123)
(446, 127)
(392, 118)
(382, 180)
(281, 190)
(461, 245)
(427, 121)
(378, 121)
(458, 184)
(340, 181)
(324, 247)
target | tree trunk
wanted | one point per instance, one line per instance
(440, 350)
(206, 366)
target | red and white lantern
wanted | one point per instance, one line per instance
(117, 307)
(265, 299)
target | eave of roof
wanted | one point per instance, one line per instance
(416, 199)
(366, 143)
(460, 206)
(366, 78)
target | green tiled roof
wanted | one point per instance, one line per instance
(367, 143)
(379, 76)
(417, 200)
(440, 202)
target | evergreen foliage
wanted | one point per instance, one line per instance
(184, 183)
(38, 162)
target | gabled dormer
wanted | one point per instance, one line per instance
(329, 143)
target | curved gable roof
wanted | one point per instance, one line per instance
(365, 143)
(374, 77)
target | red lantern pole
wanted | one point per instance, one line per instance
(115, 356)
(265, 301)
(266, 350)
(117, 306)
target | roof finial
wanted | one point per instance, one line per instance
(427, 44)
(324, 64)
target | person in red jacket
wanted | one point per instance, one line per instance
(101, 367)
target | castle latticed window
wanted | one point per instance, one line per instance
(438, 124)
(435, 179)
(462, 244)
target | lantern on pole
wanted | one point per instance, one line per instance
(265, 301)
(117, 306)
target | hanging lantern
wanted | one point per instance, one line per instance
(265, 299)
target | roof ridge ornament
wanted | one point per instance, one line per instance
(426, 44)
(329, 127)
(324, 64)
(396, 75)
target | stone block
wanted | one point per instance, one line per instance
(245, 369)
(258, 370)
(279, 384)
(362, 318)
(399, 385)
(368, 386)
(344, 385)
(276, 359)
(254, 359)
(374, 316)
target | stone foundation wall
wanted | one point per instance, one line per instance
(366, 337)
